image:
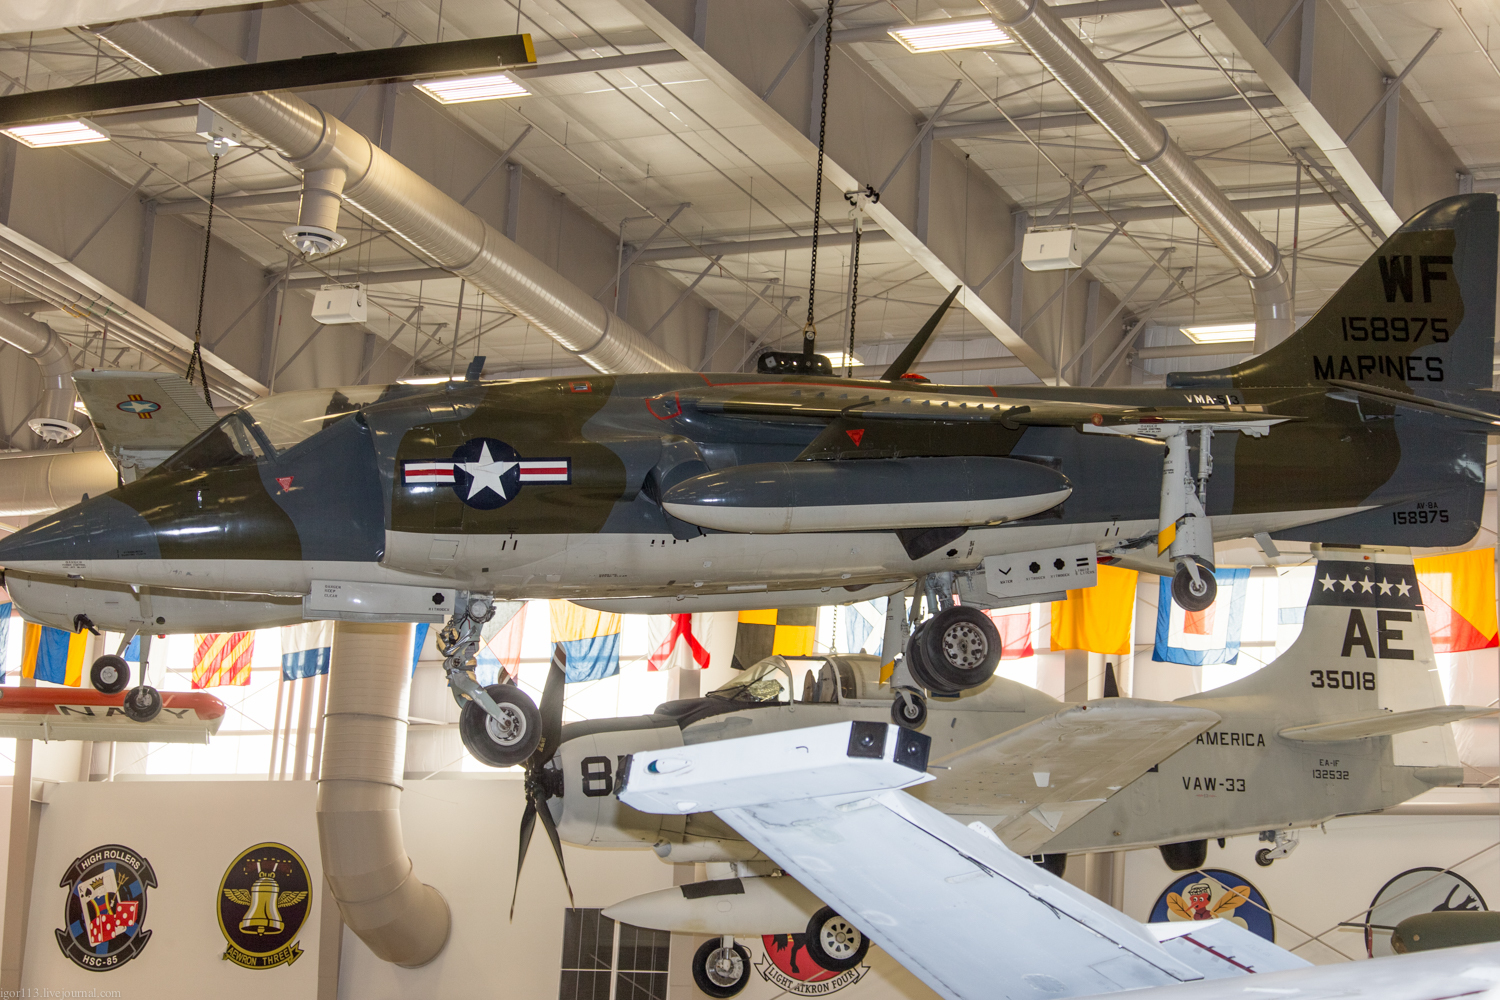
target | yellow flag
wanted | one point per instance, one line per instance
(1097, 619)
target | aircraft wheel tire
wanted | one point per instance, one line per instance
(1263, 857)
(909, 712)
(1186, 856)
(1187, 597)
(834, 943)
(110, 674)
(720, 971)
(142, 704)
(1054, 863)
(497, 743)
(960, 648)
(916, 667)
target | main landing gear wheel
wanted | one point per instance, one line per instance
(501, 742)
(142, 704)
(960, 648)
(110, 674)
(1194, 595)
(909, 710)
(835, 943)
(721, 971)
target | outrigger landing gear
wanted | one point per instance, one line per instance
(499, 724)
(1184, 532)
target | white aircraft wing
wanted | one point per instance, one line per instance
(142, 417)
(1042, 777)
(952, 904)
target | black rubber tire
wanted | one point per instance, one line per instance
(910, 714)
(142, 704)
(1186, 856)
(110, 674)
(488, 740)
(1182, 589)
(914, 664)
(1057, 864)
(1263, 857)
(828, 930)
(960, 648)
(708, 986)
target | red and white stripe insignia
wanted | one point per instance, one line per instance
(547, 470)
(426, 472)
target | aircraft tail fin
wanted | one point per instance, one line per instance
(1364, 653)
(1417, 317)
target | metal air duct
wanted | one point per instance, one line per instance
(388, 190)
(53, 421)
(40, 482)
(359, 798)
(1146, 141)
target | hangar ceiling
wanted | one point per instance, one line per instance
(678, 130)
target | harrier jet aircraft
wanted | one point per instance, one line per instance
(786, 486)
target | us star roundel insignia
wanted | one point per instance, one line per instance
(485, 473)
(264, 898)
(104, 914)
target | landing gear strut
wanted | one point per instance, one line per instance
(499, 724)
(1284, 841)
(1184, 531)
(142, 703)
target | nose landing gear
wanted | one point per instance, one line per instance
(956, 649)
(499, 724)
(721, 968)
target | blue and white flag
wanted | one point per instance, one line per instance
(306, 650)
(1198, 638)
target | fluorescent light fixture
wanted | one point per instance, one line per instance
(48, 134)
(838, 359)
(940, 36)
(1220, 333)
(464, 89)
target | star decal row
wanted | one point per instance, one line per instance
(1366, 585)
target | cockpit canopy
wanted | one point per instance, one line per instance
(270, 428)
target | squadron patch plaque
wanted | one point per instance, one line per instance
(263, 902)
(105, 911)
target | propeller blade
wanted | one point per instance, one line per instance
(528, 823)
(908, 355)
(551, 829)
(551, 709)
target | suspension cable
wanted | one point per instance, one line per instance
(809, 329)
(195, 361)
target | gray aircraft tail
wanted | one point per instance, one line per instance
(1416, 317)
(1363, 665)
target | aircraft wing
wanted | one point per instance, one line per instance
(64, 713)
(899, 403)
(1044, 776)
(967, 916)
(142, 417)
(1384, 723)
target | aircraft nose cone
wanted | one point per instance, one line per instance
(99, 528)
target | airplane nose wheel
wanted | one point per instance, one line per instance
(142, 704)
(909, 709)
(506, 738)
(721, 970)
(110, 674)
(834, 943)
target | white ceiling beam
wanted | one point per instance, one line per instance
(1327, 138)
(841, 179)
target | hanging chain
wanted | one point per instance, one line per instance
(809, 331)
(857, 199)
(195, 361)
